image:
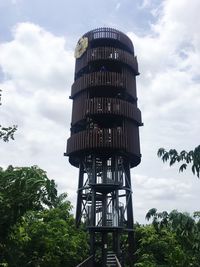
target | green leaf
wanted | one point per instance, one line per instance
(182, 167)
(160, 152)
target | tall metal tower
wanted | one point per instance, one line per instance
(104, 142)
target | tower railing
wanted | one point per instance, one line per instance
(123, 80)
(117, 261)
(107, 53)
(104, 106)
(113, 138)
(97, 138)
(110, 33)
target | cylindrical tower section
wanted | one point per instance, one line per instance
(105, 116)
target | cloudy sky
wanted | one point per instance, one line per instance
(37, 40)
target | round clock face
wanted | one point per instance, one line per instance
(81, 47)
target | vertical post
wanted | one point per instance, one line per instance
(104, 248)
(93, 208)
(104, 195)
(79, 195)
(93, 180)
(104, 234)
(130, 224)
(92, 246)
(104, 215)
(116, 243)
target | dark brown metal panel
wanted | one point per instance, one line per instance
(127, 140)
(112, 80)
(107, 53)
(84, 107)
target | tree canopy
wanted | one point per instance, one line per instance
(172, 239)
(36, 226)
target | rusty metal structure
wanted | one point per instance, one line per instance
(104, 142)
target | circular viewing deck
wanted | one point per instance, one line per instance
(105, 140)
(110, 33)
(83, 108)
(124, 80)
(110, 54)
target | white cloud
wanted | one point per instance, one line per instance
(36, 58)
(163, 193)
(38, 76)
(168, 91)
(169, 97)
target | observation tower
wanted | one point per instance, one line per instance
(104, 142)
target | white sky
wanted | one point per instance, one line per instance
(37, 39)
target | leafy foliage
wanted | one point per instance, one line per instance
(192, 157)
(7, 133)
(173, 239)
(48, 238)
(157, 248)
(36, 226)
(21, 190)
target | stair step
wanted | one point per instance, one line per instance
(111, 261)
(111, 257)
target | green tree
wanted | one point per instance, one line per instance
(186, 158)
(36, 226)
(21, 190)
(158, 248)
(47, 238)
(185, 230)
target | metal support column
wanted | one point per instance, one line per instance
(79, 195)
(104, 215)
(130, 223)
(93, 208)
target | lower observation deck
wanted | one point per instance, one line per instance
(104, 141)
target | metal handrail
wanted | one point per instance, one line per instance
(86, 263)
(117, 261)
(110, 33)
